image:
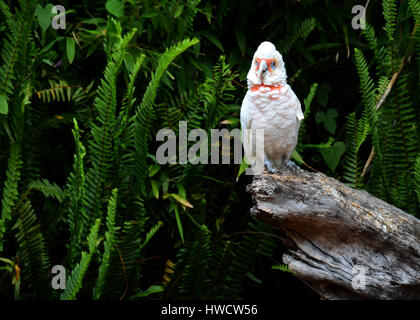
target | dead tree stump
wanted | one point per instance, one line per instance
(344, 243)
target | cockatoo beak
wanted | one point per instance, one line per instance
(262, 69)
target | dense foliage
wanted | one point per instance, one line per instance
(80, 109)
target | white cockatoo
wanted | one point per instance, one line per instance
(271, 105)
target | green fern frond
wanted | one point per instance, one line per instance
(32, 253)
(194, 112)
(145, 111)
(393, 126)
(363, 130)
(368, 96)
(417, 177)
(123, 264)
(125, 148)
(62, 91)
(148, 292)
(75, 188)
(351, 164)
(252, 244)
(213, 98)
(170, 113)
(400, 140)
(216, 91)
(9, 18)
(383, 83)
(10, 190)
(305, 29)
(307, 102)
(390, 14)
(74, 282)
(184, 26)
(369, 33)
(281, 267)
(379, 51)
(356, 134)
(151, 233)
(101, 153)
(14, 49)
(194, 263)
(415, 11)
(13, 173)
(15, 42)
(128, 100)
(48, 189)
(108, 245)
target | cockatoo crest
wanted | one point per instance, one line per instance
(267, 67)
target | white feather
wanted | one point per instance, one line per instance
(272, 106)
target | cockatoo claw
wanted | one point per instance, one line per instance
(291, 165)
(269, 166)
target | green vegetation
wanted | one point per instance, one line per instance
(80, 109)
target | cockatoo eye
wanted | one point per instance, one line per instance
(256, 63)
(273, 65)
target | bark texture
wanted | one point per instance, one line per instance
(344, 243)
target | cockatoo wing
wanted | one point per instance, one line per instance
(294, 103)
(246, 122)
(250, 138)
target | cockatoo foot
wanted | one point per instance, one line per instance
(269, 166)
(291, 165)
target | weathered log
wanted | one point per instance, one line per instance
(344, 243)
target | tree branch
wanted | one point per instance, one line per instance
(345, 243)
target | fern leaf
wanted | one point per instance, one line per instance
(128, 101)
(145, 112)
(400, 144)
(74, 282)
(194, 261)
(151, 233)
(48, 189)
(122, 262)
(415, 10)
(245, 255)
(148, 292)
(62, 91)
(417, 178)
(16, 40)
(32, 251)
(390, 14)
(108, 245)
(216, 91)
(281, 267)
(75, 189)
(356, 134)
(307, 102)
(214, 94)
(305, 29)
(10, 190)
(368, 96)
(101, 145)
(125, 149)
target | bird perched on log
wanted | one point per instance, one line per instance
(269, 104)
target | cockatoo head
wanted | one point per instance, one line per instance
(267, 67)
